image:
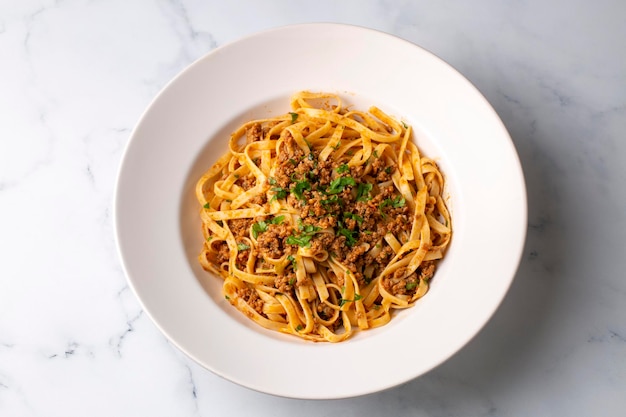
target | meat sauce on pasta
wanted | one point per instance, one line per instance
(324, 220)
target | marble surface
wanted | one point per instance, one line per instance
(75, 76)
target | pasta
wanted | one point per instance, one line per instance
(324, 220)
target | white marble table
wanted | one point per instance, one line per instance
(76, 75)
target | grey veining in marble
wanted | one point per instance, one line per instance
(75, 76)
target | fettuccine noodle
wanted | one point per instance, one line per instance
(324, 220)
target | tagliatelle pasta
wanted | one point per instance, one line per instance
(323, 220)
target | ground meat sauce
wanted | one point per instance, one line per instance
(297, 223)
(349, 200)
(272, 242)
(251, 297)
(254, 133)
(222, 253)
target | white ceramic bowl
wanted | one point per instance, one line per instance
(186, 129)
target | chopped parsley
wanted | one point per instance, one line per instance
(405, 125)
(294, 264)
(227, 297)
(308, 228)
(337, 185)
(363, 191)
(343, 168)
(332, 200)
(242, 247)
(261, 226)
(294, 116)
(206, 206)
(344, 301)
(350, 235)
(299, 189)
(277, 219)
(304, 238)
(299, 327)
(280, 193)
(411, 285)
(395, 203)
(272, 181)
(353, 216)
(258, 227)
(388, 170)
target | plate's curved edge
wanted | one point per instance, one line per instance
(128, 149)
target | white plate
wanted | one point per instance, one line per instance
(186, 128)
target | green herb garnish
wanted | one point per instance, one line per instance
(337, 185)
(363, 191)
(294, 264)
(353, 216)
(411, 285)
(332, 200)
(294, 116)
(395, 203)
(300, 188)
(344, 301)
(343, 168)
(261, 226)
(258, 227)
(242, 247)
(299, 240)
(206, 206)
(304, 238)
(350, 235)
(280, 193)
(277, 219)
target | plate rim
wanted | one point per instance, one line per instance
(208, 56)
